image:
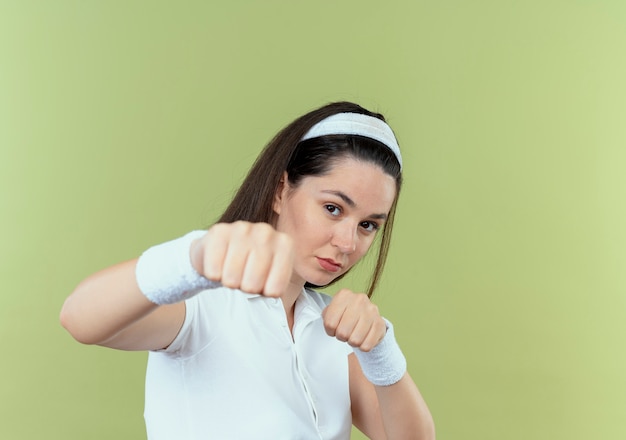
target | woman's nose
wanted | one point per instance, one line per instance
(345, 238)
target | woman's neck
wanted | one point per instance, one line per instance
(289, 298)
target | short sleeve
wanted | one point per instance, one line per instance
(194, 334)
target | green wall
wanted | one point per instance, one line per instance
(123, 124)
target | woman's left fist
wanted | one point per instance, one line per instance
(353, 318)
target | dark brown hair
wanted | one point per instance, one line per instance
(254, 200)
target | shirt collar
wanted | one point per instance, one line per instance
(306, 310)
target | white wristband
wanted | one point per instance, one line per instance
(384, 364)
(164, 272)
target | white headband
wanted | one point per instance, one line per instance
(357, 124)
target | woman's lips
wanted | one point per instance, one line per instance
(328, 264)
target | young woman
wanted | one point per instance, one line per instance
(241, 346)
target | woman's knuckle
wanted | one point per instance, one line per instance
(342, 335)
(354, 341)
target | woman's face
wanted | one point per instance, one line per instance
(334, 218)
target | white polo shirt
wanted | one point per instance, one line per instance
(234, 372)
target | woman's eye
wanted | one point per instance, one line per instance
(370, 226)
(332, 209)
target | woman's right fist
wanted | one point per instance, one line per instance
(252, 257)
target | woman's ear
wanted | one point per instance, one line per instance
(281, 193)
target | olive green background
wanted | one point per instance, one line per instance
(127, 123)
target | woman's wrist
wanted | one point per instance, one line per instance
(385, 364)
(165, 274)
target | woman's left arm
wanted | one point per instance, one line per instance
(390, 412)
(393, 408)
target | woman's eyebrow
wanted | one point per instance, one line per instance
(343, 196)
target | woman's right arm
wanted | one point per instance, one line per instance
(108, 309)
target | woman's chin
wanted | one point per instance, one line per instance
(319, 277)
(321, 281)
